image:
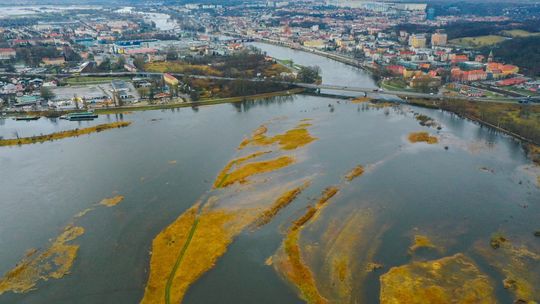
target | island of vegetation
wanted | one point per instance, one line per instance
(424, 137)
(421, 241)
(290, 140)
(454, 279)
(291, 263)
(51, 263)
(55, 261)
(519, 264)
(282, 202)
(354, 173)
(192, 244)
(341, 270)
(62, 134)
(112, 201)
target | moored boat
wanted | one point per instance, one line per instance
(27, 118)
(80, 116)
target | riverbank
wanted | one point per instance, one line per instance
(520, 121)
(336, 57)
(171, 105)
(63, 134)
(207, 102)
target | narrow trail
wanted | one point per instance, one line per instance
(180, 258)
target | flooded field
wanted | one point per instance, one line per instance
(285, 200)
(322, 206)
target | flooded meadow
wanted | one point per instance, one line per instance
(273, 201)
(285, 200)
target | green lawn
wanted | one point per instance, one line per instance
(92, 80)
(395, 84)
(477, 42)
(519, 33)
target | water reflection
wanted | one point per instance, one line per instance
(246, 105)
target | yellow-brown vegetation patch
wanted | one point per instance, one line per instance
(454, 279)
(381, 104)
(534, 153)
(181, 67)
(83, 213)
(290, 140)
(112, 201)
(347, 248)
(327, 194)
(63, 134)
(416, 137)
(241, 174)
(297, 272)
(283, 201)
(361, 100)
(304, 125)
(420, 241)
(235, 162)
(166, 247)
(372, 266)
(355, 172)
(172, 273)
(275, 70)
(55, 262)
(519, 265)
(291, 263)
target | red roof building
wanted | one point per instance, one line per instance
(395, 69)
(7, 53)
(511, 81)
(465, 76)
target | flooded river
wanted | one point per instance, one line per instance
(411, 210)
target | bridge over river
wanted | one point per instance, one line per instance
(370, 92)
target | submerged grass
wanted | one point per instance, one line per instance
(188, 248)
(297, 272)
(54, 262)
(421, 241)
(241, 174)
(346, 251)
(361, 99)
(454, 279)
(63, 134)
(283, 201)
(112, 201)
(165, 251)
(519, 265)
(192, 244)
(225, 172)
(354, 173)
(292, 264)
(416, 137)
(290, 140)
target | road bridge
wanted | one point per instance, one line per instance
(372, 92)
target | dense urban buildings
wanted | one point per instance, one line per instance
(406, 41)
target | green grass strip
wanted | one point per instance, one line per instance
(179, 261)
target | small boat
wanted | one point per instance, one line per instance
(80, 116)
(27, 118)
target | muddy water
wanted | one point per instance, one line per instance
(167, 160)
